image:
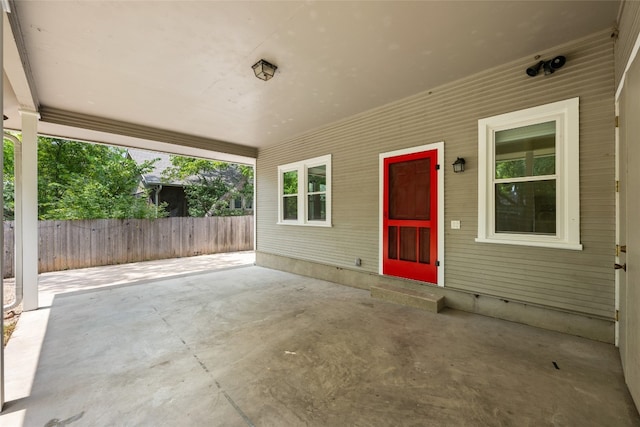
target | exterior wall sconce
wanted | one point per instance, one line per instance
(458, 165)
(549, 66)
(264, 70)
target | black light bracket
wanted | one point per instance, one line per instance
(549, 66)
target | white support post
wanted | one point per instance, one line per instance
(27, 187)
(17, 209)
(2, 221)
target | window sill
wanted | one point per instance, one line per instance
(306, 224)
(539, 244)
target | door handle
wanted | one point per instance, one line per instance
(620, 267)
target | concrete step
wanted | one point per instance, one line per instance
(413, 298)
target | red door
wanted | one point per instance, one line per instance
(410, 216)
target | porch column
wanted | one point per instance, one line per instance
(17, 212)
(27, 209)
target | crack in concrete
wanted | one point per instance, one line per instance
(206, 369)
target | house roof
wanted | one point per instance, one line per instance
(230, 175)
(180, 72)
(162, 163)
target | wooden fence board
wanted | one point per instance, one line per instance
(89, 243)
(9, 245)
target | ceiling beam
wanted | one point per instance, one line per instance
(16, 62)
(117, 127)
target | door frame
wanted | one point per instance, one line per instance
(627, 338)
(439, 147)
(618, 236)
(635, 53)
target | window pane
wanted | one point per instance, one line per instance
(526, 207)
(317, 178)
(317, 207)
(290, 182)
(526, 151)
(290, 207)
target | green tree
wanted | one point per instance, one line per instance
(211, 185)
(77, 180)
(8, 180)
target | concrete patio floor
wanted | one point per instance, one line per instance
(249, 346)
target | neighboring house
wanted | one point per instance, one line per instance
(172, 191)
(161, 189)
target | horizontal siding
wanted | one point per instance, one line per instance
(578, 281)
(629, 28)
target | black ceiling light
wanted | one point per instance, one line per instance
(549, 66)
(264, 70)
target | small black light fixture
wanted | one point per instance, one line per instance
(458, 165)
(264, 70)
(4, 117)
(549, 66)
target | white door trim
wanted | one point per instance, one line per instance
(632, 57)
(439, 146)
(618, 237)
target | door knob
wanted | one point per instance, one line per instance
(620, 267)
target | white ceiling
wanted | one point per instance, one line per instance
(185, 66)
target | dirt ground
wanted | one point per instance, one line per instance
(10, 317)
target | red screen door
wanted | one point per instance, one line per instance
(410, 216)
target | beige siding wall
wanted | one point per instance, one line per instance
(577, 281)
(629, 28)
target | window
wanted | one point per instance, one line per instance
(305, 192)
(528, 177)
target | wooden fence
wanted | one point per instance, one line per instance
(88, 243)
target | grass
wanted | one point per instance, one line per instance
(6, 333)
(9, 327)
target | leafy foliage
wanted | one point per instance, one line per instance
(8, 183)
(211, 185)
(518, 167)
(290, 182)
(542, 165)
(78, 180)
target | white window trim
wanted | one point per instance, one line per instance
(566, 114)
(302, 167)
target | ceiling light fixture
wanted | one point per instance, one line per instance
(264, 70)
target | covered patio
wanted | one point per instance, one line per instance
(360, 90)
(240, 345)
